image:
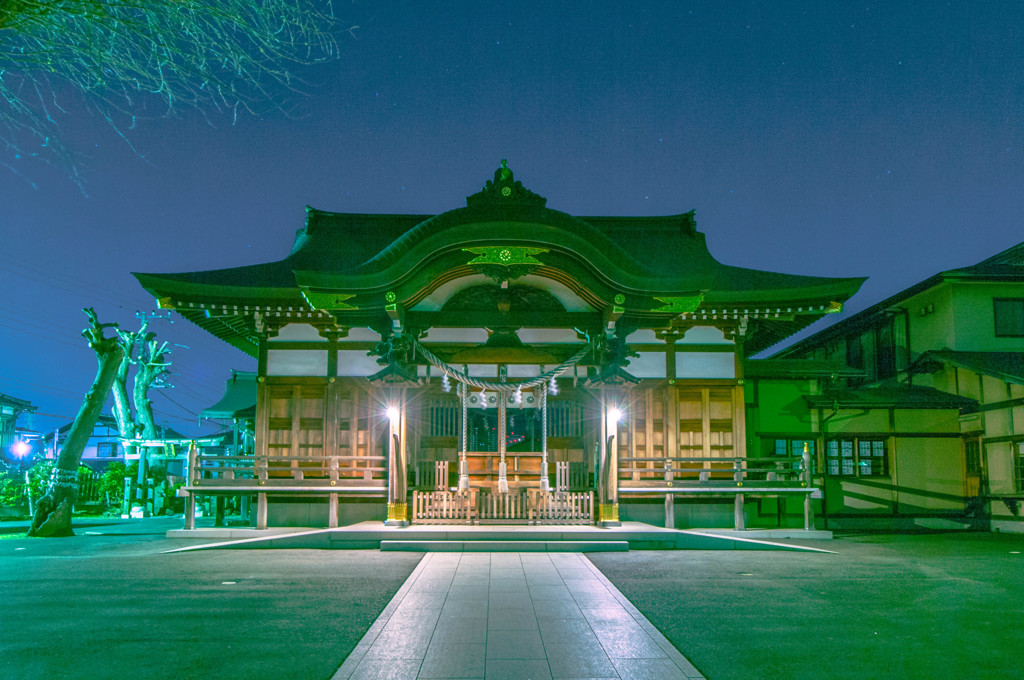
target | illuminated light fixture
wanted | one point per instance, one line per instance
(393, 414)
(614, 416)
(20, 448)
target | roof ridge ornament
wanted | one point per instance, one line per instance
(505, 189)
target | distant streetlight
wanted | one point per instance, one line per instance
(21, 448)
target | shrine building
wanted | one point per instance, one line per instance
(504, 362)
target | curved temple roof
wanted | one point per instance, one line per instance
(649, 270)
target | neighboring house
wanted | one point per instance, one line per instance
(103, 446)
(954, 345)
(11, 436)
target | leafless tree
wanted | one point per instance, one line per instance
(151, 360)
(53, 511)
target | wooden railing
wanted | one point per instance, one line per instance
(283, 471)
(705, 472)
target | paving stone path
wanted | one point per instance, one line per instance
(515, 616)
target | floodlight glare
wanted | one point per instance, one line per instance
(393, 414)
(20, 448)
(614, 415)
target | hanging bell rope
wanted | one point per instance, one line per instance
(450, 370)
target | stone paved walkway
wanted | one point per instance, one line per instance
(515, 616)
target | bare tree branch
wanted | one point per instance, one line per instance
(148, 58)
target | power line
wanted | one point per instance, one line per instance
(183, 408)
(73, 285)
(45, 388)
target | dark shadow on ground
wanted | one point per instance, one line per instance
(98, 607)
(884, 606)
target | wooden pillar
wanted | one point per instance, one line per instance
(262, 434)
(190, 510)
(261, 511)
(670, 434)
(806, 459)
(191, 475)
(332, 511)
(739, 401)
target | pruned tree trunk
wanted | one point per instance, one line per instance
(122, 407)
(52, 516)
(151, 366)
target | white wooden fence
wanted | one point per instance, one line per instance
(518, 507)
(562, 508)
(443, 507)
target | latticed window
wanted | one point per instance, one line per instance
(856, 458)
(795, 448)
(871, 458)
(106, 450)
(444, 417)
(565, 418)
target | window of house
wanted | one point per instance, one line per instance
(1009, 315)
(871, 458)
(856, 458)
(106, 450)
(795, 448)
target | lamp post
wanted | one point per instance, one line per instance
(398, 509)
(610, 506)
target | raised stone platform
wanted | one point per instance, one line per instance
(494, 538)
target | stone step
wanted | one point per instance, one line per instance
(504, 546)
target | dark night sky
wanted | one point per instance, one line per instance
(821, 138)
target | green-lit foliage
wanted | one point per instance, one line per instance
(111, 482)
(148, 58)
(38, 478)
(12, 488)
